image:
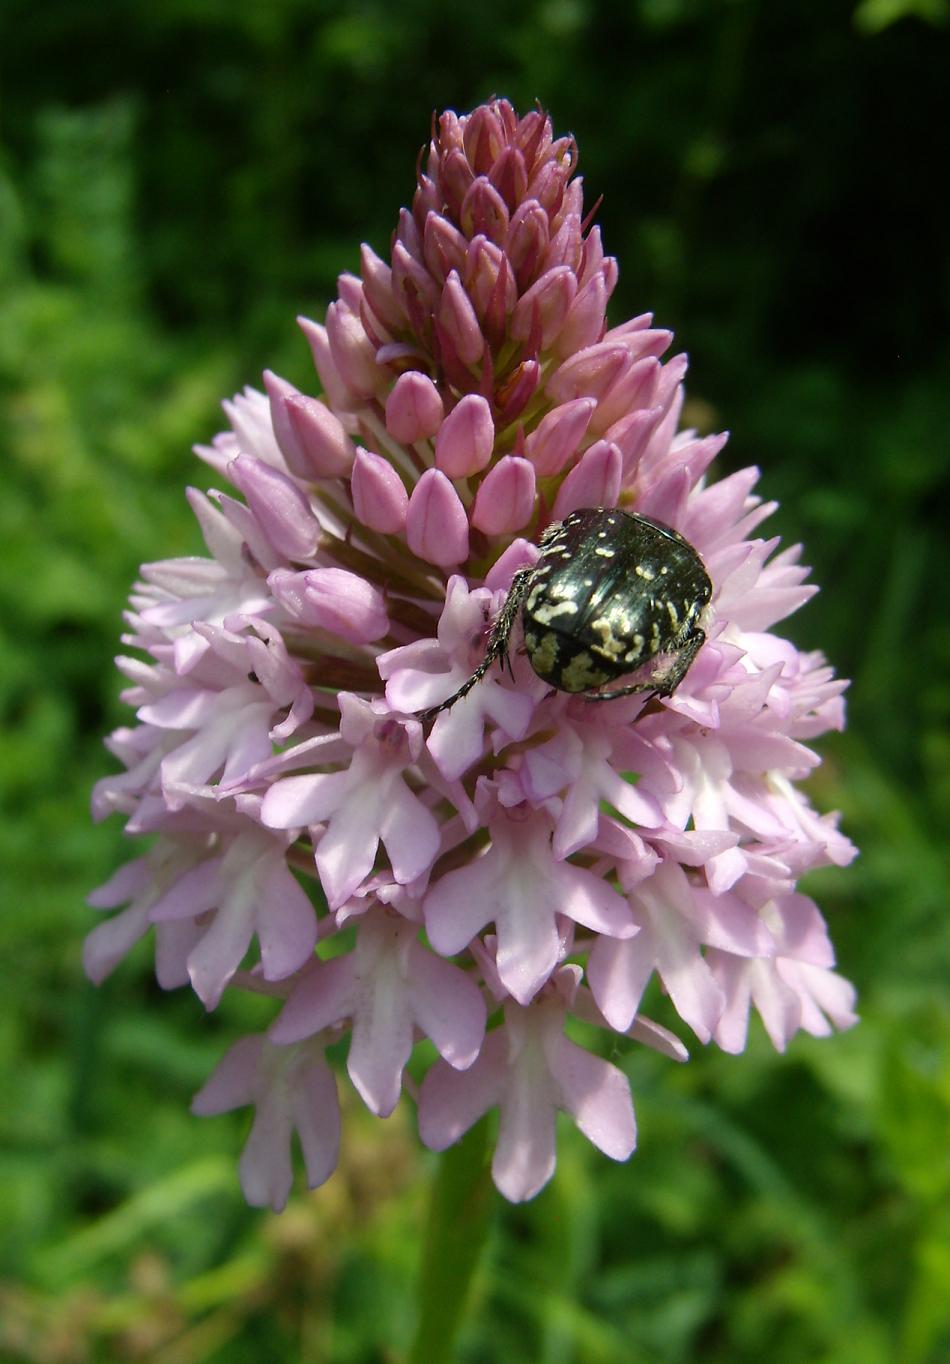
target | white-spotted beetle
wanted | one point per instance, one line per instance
(611, 592)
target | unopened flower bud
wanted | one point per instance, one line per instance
(505, 500)
(413, 408)
(379, 494)
(332, 599)
(378, 289)
(459, 319)
(484, 211)
(311, 438)
(280, 507)
(593, 482)
(466, 438)
(553, 442)
(586, 320)
(545, 307)
(436, 524)
(353, 356)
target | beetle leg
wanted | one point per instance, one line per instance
(497, 643)
(666, 683)
(682, 663)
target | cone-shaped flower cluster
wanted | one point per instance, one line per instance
(530, 856)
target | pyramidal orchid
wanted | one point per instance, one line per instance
(527, 857)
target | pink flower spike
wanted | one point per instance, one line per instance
(436, 523)
(593, 482)
(413, 408)
(379, 494)
(364, 675)
(505, 499)
(466, 439)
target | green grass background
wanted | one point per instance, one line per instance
(177, 180)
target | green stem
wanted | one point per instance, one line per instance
(457, 1225)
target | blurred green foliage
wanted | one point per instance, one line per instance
(176, 181)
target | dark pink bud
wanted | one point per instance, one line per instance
(516, 392)
(378, 290)
(485, 264)
(533, 136)
(278, 391)
(436, 524)
(552, 445)
(450, 133)
(413, 408)
(510, 177)
(444, 247)
(593, 482)
(466, 438)
(564, 247)
(573, 201)
(528, 237)
(458, 317)
(311, 438)
(426, 200)
(408, 234)
(593, 259)
(415, 290)
(455, 176)
(484, 211)
(547, 186)
(505, 500)
(483, 137)
(631, 435)
(545, 307)
(350, 291)
(640, 338)
(379, 495)
(586, 320)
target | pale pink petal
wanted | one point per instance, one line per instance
(448, 1006)
(597, 1095)
(450, 1100)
